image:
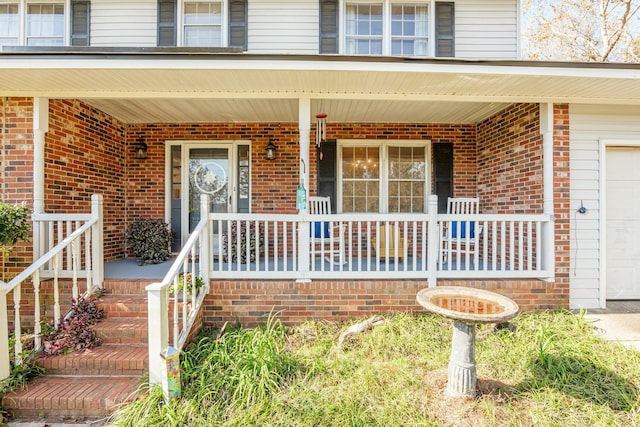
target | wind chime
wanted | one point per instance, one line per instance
(321, 131)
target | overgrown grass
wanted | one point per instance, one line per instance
(546, 370)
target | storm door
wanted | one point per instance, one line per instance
(219, 170)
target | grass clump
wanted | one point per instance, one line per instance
(544, 369)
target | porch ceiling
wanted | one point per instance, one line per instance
(158, 87)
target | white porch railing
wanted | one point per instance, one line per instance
(175, 310)
(73, 248)
(343, 246)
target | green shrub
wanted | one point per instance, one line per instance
(150, 240)
(181, 281)
(14, 227)
(249, 235)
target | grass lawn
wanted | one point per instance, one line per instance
(544, 369)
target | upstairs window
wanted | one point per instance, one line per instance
(387, 28)
(419, 28)
(202, 24)
(9, 24)
(45, 25)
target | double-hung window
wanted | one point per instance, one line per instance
(202, 24)
(45, 24)
(35, 23)
(9, 24)
(387, 28)
(383, 177)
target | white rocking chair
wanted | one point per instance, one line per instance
(326, 234)
(461, 237)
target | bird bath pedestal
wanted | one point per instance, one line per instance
(466, 306)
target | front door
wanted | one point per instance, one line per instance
(219, 170)
(208, 172)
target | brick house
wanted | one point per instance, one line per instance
(151, 104)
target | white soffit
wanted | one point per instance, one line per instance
(148, 89)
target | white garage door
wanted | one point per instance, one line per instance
(623, 223)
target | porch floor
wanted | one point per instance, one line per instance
(128, 268)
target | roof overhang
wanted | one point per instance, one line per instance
(199, 86)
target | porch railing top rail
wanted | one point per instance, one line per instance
(43, 260)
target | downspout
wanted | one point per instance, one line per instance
(40, 129)
(546, 129)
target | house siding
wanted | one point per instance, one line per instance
(487, 29)
(589, 124)
(283, 26)
(124, 23)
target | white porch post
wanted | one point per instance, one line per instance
(304, 125)
(548, 242)
(40, 129)
(433, 246)
(158, 337)
(5, 365)
(97, 239)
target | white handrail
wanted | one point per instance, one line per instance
(192, 260)
(93, 249)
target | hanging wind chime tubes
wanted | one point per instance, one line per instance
(321, 130)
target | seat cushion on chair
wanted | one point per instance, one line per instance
(320, 230)
(463, 229)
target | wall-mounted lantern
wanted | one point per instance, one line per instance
(141, 149)
(271, 151)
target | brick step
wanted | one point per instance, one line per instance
(71, 397)
(123, 330)
(127, 286)
(106, 359)
(127, 305)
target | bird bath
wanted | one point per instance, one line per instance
(466, 306)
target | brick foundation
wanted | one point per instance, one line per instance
(250, 302)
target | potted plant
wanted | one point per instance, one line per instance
(249, 235)
(150, 240)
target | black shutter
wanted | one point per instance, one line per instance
(167, 22)
(80, 22)
(238, 18)
(445, 29)
(443, 173)
(327, 172)
(328, 26)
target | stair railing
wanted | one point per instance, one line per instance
(64, 260)
(174, 303)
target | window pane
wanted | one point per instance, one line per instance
(409, 30)
(407, 179)
(360, 179)
(45, 24)
(9, 29)
(203, 24)
(363, 28)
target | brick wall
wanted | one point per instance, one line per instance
(510, 161)
(84, 155)
(274, 182)
(16, 168)
(250, 302)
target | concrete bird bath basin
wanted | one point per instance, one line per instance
(466, 307)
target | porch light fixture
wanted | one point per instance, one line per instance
(271, 151)
(141, 149)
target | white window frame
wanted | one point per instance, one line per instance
(386, 23)
(383, 181)
(224, 24)
(22, 18)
